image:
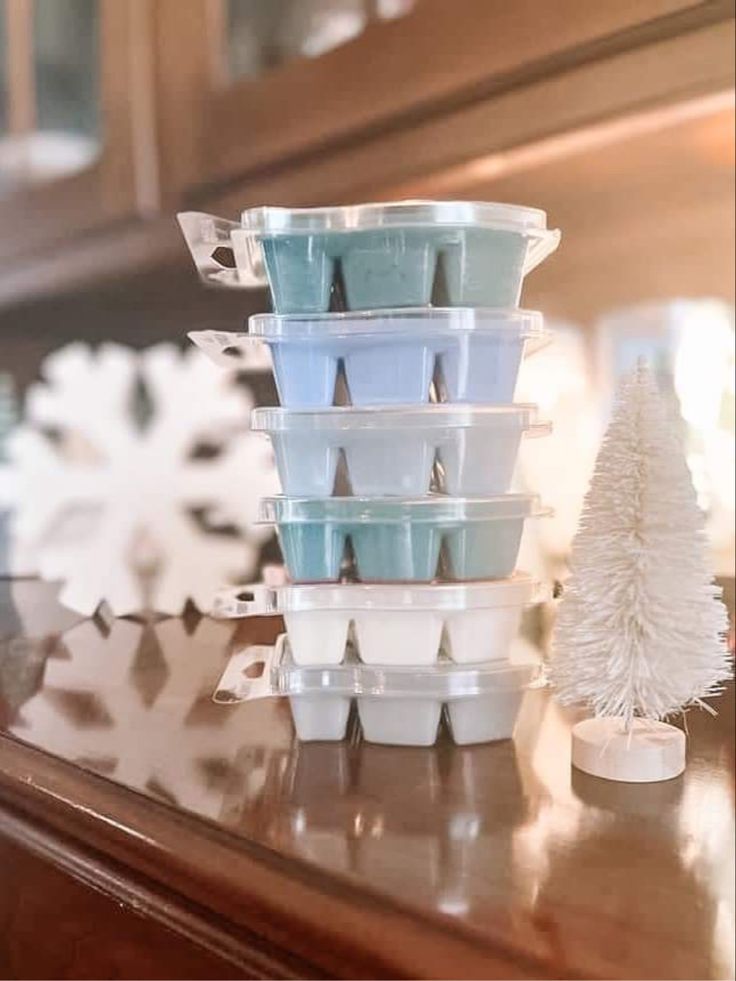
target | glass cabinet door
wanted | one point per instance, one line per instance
(260, 36)
(50, 99)
(67, 108)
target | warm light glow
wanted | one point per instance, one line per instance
(690, 346)
(501, 163)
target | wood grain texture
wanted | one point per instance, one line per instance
(430, 61)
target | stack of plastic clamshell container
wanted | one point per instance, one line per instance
(396, 340)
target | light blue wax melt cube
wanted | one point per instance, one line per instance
(389, 373)
(474, 368)
(305, 374)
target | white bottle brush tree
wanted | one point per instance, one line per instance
(641, 629)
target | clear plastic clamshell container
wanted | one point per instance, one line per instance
(398, 451)
(399, 706)
(387, 357)
(373, 256)
(391, 624)
(401, 540)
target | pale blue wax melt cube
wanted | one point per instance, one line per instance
(389, 373)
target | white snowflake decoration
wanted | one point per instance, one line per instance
(109, 500)
(153, 679)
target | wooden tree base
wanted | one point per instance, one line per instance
(648, 752)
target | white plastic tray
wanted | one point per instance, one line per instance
(390, 624)
(396, 705)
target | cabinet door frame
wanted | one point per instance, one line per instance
(122, 181)
(430, 61)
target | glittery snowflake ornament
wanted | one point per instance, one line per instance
(641, 628)
(127, 468)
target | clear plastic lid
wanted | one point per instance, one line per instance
(260, 599)
(394, 214)
(262, 672)
(444, 416)
(378, 510)
(216, 243)
(431, 321)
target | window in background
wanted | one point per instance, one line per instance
(49, 93)
(262, 34)
(689, 344)
(558, 378)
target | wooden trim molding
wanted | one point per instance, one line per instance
(132, 891)
(396, 74)
(635, 87)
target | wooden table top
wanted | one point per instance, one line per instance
(484, 861)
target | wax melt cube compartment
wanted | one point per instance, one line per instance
(400, 539)
(392, 451)
(320, 717)
(397, 254)
(395, 705)
(484, 718)
(389, 357)
(393, 623)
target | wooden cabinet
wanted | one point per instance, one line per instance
(433, 59)
(425, 98)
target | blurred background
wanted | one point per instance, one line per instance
(617, 118)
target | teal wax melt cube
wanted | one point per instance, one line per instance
(312, 550)
(300, 272)
(386, 552)
(484, 549)
(388, 269)
(484, 267)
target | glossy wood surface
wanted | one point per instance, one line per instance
(96, 937)
(360, 860)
